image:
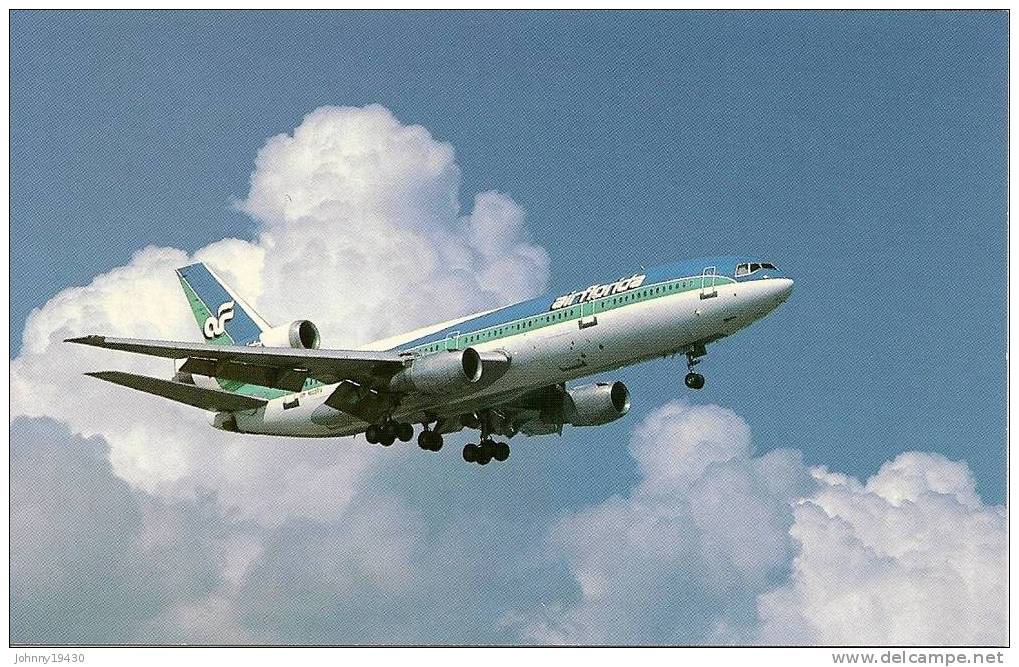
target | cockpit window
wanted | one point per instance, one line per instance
(749, 267)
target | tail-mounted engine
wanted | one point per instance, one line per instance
(299, 334)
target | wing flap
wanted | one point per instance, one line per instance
(264, 376)
(361, 402)
(199, 397)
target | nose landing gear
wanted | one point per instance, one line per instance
(693, 357)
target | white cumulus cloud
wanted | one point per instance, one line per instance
(718, 545)
(911, 557)
(360, 229)
(682, 557)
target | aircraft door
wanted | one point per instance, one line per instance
(587, 316)
(709, 279)
(453, 341)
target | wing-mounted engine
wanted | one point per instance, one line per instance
(596, 404)
(452, 372)
(299, 334)
(587, 405)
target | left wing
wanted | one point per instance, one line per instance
(285, 368)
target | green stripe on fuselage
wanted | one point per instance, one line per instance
(517, 327)
(594, 307)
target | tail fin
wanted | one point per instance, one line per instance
(222, 316)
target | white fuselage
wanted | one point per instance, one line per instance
(549, 355)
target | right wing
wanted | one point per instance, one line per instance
(206, 399)
(284, 368)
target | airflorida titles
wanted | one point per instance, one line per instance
(598, 291)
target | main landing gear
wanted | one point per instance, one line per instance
(488, 422)
(430, 440)
(484, 452)
(430, 437)
(693, 357)
(388, 432)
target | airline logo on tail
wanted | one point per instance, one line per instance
(216, 325)
(221, 316)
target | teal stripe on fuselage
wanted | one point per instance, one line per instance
(510, 328)
(536, 314)
(470, 334)
(724, 268)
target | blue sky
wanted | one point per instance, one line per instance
(862, 152)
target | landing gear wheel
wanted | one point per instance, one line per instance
(694, 380)
(501, 451)
(372, 434)
(487, 452)
(430, 441)
(387, 434)
(471, 452)
(404, 431)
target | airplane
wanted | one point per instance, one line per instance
(500, 372)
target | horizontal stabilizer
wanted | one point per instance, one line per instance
(206, 399)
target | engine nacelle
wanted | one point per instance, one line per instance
(596, 404)
(587, 405)
(443, 372)
(300, 334)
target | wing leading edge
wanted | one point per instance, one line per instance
(284, 363)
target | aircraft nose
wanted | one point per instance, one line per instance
(776, 291)
(783, 288)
